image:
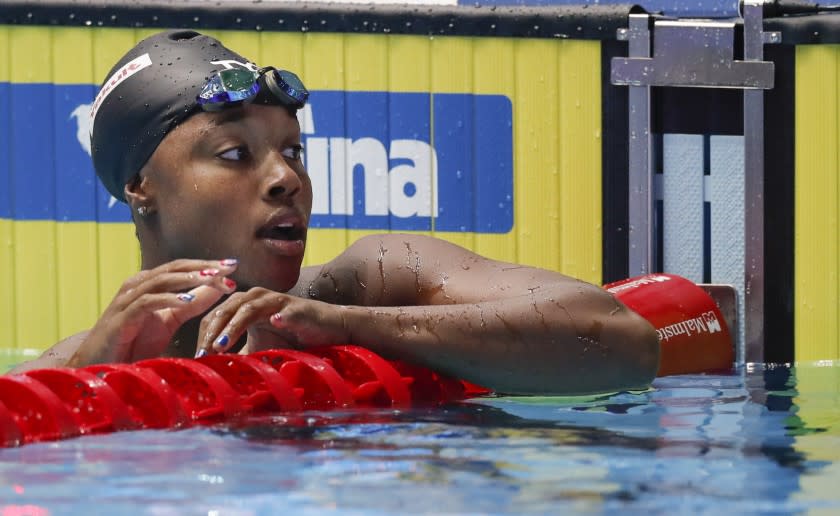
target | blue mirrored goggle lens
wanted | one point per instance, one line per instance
(228, 87)
(292, 86)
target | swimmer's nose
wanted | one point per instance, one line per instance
(281, 180)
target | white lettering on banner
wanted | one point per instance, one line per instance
(317, 156)
(647, 280)
(407, 190)
(705, 323)
(307, 123)
(126, 71)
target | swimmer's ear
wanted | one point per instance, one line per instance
(137, 192)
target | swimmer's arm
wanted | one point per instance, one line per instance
(56, 356)
(511, 328)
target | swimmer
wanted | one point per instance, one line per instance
(205, 148)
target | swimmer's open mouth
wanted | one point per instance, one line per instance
(287, 230)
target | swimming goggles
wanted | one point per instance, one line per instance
(234, 86)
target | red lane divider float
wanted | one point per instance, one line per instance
(693, 336)
(50, 404)
(10, 433)
(203, 392)
(151, 401)
(373, 380)
(93, 404)
(321, 387)
(36, 410)
(261, 388)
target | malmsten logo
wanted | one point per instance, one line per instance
(707, 322)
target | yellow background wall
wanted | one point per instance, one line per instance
(58, 276)
(817, 203)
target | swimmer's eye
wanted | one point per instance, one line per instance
(294, 152)
(235, 154)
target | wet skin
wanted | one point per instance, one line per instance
(219, 186)
(231, 185)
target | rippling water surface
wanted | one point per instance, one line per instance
(759, 441)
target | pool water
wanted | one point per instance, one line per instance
(762, 440)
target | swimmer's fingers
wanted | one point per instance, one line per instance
(176, 276)
(176, 309)
(311, 324)
(223, 327)
(180, 265)
(149, 323)
(149, 308)
(272, 320)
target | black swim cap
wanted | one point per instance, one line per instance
(147, 93)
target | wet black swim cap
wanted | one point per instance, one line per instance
(146, 94)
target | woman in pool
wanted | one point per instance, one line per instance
(205, 149)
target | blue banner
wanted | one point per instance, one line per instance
(378, 160)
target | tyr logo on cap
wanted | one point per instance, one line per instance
(232, 63)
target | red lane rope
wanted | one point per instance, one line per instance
(51, 404)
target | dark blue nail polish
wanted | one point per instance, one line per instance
(223, 340)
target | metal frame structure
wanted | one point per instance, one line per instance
(667, 52)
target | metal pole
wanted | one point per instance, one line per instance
(753, 343)
(641, 199)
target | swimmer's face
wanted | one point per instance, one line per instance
(232, 184)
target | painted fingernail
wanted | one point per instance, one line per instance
(229, 283)
(223, 341)
(186, 297)
(201, 353)
(276, 319)
(209, 272)
(229, 262)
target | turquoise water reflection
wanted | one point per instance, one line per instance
(759, 441)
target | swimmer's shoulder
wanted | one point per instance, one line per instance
(336, 281)
(358, 275)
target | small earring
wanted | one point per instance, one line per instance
(142, 211)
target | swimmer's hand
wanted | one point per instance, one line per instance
(150, 307)
(271, 320)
